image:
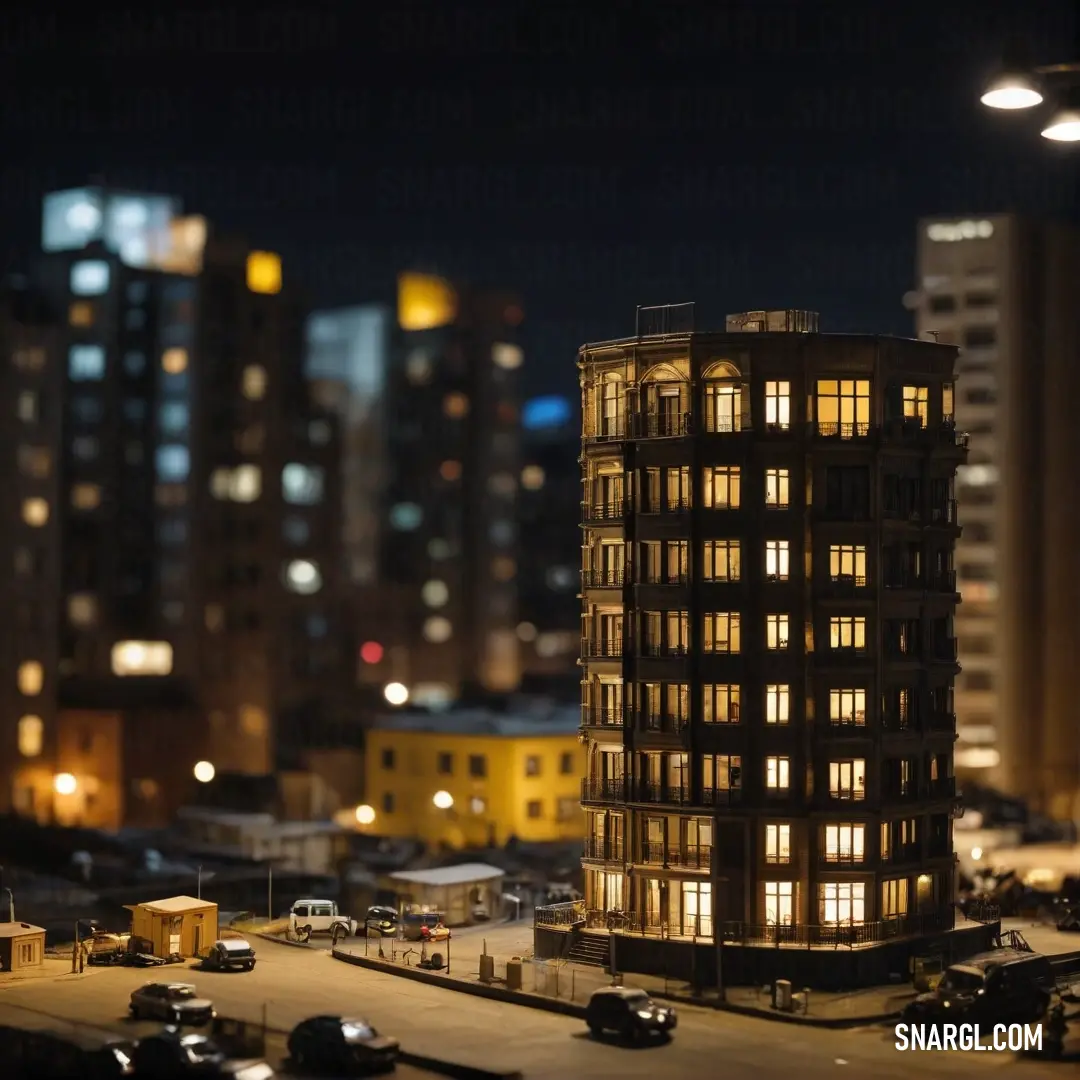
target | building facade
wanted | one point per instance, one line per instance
(768, 649)
(171, 468)
(1004, 290)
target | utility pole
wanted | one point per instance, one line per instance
(270, 894)
(198, 895)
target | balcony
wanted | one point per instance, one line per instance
(667, 579)
(840, 431)
(944, 651)
(902, 854)
(850, 724)
(944, 582)
(666, 506)
(689, 857)
(944, 513)
(657, 425)
(902, 793)
(944, 787)
(835, 935)
(612, 429)
(603, 850)
(603, 791)
(599, 513)
(666, 725)
(847, 794)
(603, 579)
(843, 858)
(601, 717)
(904, 581)
(729, 796)
(846, 584)
(895, 723)
(601, 648)
(650, 648)
(941, 721)
(652, 792)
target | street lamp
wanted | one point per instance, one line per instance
(365, 814)
(204, 772)
(443, 800)
(396, 693)
(1016, 88)
(1064, 125)
(65, 784)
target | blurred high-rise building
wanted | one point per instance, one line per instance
(173, 519)
(549, 578)
(1005, 290)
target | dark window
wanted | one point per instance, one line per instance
(532, 765)
(847, 492)
(981, 396)
(979, 680)
(566, 764)
(980, 337)
(388, 802)
(446, 764)
(941, 304)
(477, 765)
(534, 808)
(388, 758)
(980, 300)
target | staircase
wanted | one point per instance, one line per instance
(591, 949)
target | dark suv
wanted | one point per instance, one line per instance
(629, 1013)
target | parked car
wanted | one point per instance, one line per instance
(46, 1055)
(172, 1055)
(382, 920)
(417, 925)
(630, 1013)
(175, 1003)
(309, 917)
(341, 1045)
(1000, 987)
(230, 954)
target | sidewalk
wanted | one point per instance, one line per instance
(562, 986)
(52, 968)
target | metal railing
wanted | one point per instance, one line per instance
(838, 935)
(658, 425)
(944, 651)
(944, 514)
(847, 858)
(612, 510)
(649, 791)
(610, 430)
(841, 431)
(602, 717)
(981, 912)
(941, 721)
(567, 915)
(603, 791)
(667, 579)
(603, 579)
(729, 796)
(600, 648)
(847, 583)
(650, 648)
(942, 788)
(669, 725)
(689, 856)
(943, 581)
(847, 794)
(902, 853)
(604, 850)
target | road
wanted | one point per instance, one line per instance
(291, 984)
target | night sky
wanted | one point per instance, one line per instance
(741, 155)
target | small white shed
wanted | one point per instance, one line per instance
(453, 891)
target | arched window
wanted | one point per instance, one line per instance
(612, 420)
(723, 398)
(667, 401)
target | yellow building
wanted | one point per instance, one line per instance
(474, 778)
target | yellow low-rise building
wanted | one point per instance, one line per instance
(472, 778)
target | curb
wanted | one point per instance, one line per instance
(492, 993)
(281, 941)
(781, 1017)
(453, 1070)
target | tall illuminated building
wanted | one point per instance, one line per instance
(169, 463)
(1004, 289)
(448, 557)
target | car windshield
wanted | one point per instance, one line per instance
(638, 999)
(236, 946)
(356, 1030)
(963, 981)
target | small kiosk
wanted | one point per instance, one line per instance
(179, 926)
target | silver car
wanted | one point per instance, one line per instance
(175, 1003)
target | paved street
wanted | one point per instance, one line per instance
(294, 983)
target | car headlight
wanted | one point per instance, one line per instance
(645, 1014)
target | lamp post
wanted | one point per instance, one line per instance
(1017, 87)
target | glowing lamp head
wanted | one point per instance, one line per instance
(976, 853)
(1064, 126)
(396, 693)
(443, 800)
(65, 784)
(204, 772)
(365, 815)
(1011, 91)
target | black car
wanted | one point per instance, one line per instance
(46, 1055)
(172, 1054)
(630, 1013)
(382, 920)
(342, 1045)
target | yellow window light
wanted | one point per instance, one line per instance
(264, 273)
(425, 302)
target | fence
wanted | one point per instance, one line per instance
(982, 912)
(561, 916)
(837, 935)
(431, 955)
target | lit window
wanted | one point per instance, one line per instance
(435, 594)
(777, 632)
(917, 404)
(722, 560)
(848, 561)
(778, 405)
(31, 736)
(142, 658)
(174, 361)
(264, 273)
(777, 560)
(29, 360)
(173, 463)
(779, 903)
(723, 407)
(778, 843)
(507, 357)
(81, 314)
(90, 277)
(302, 485)
(425, 302)
(847, 707)
(777, 773)
(532, 478)
(948, 407)
(173, 417)
(406, 517)
(86, 363)
(842, 902)
(777, 704)
(847, 632)
(450, 471)
(254, 720)
(505, 569)
(845, 843)
(437, 630)
(85, 496)
(34, 461)
(253, 382)
(26, 407)
(843, 407)
(723, 632)
(777, 487)
(303, 577)
(30, 678)
(720, 702)
(82, 609)
(35, 512)
(722, 487)
(246, 483)
(456, 406)
(418, 367)
(847, 779)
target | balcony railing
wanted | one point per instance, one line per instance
(944, 513)
(837, 935)
(902, 580)
(564, 916)
(900, 793)
(841, 431)
(601, 648)
(668, 725)
(846, 584)
(667, 579)
(666, 506)
(941, 721)
(610, 430)
(902, 853)
(846, 794)
(601, 717)
(603, 850)
(650, 791)
(657, 425)
(944, 787)
(603, 791)
(611, 510)
(944, 651)
(691, 856)
(729, 796)
(843, 858)
(894, 722)
(602, 579)
(943, 581)
(649, 648)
